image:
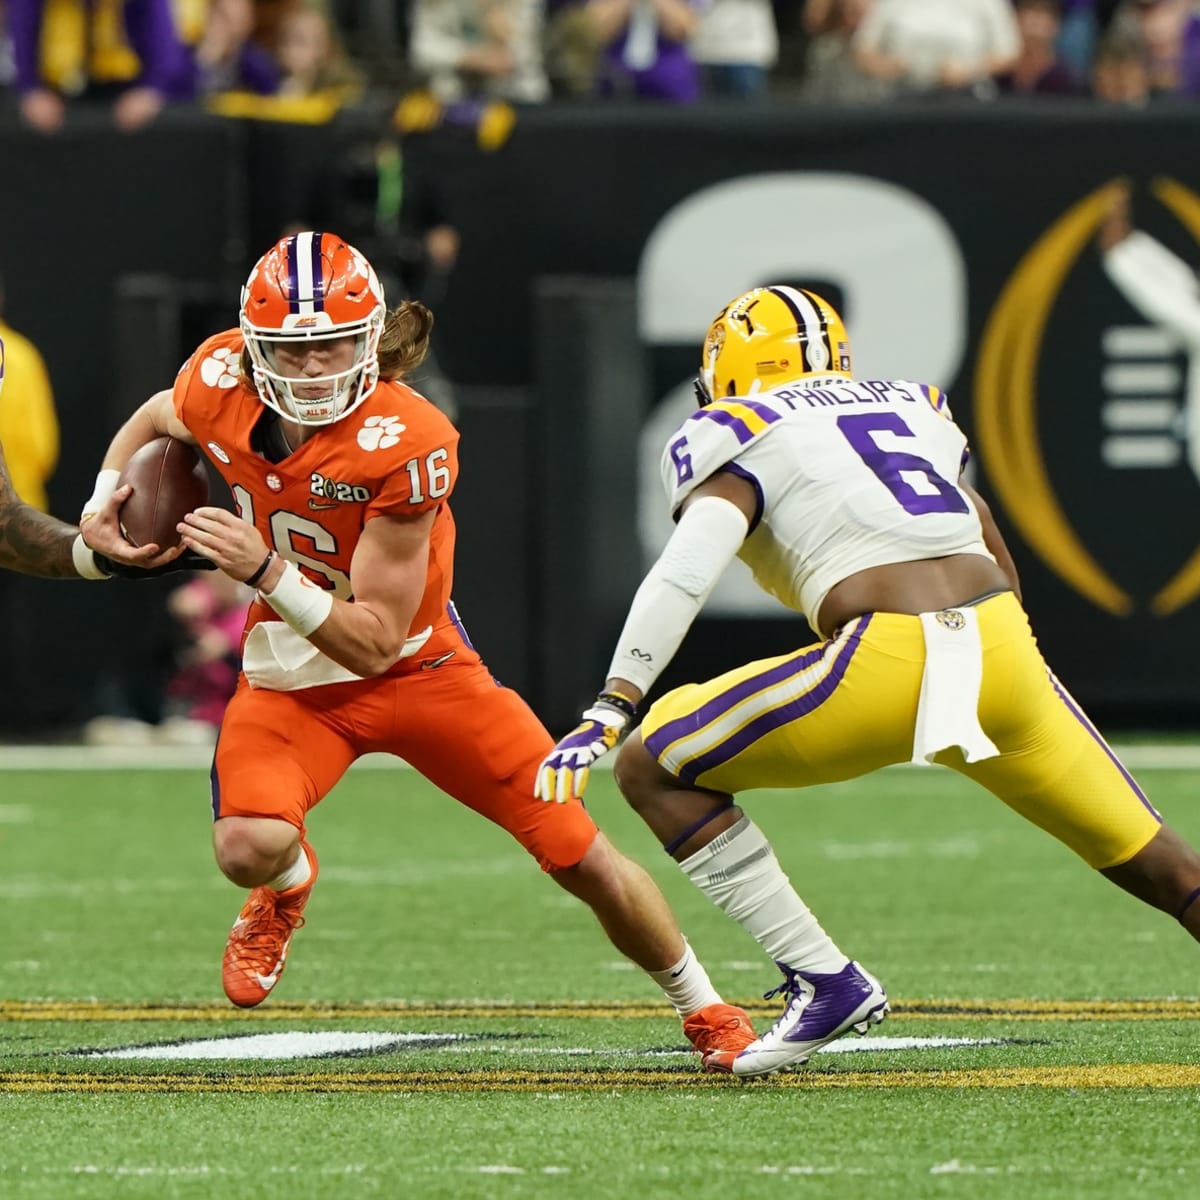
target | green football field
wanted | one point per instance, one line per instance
(451, 1024)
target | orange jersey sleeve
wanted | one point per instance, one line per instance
(210, 391)
(425, 463)
(423, 475)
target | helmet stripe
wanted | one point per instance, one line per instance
(293, 291)
(300, 266)
(318, 278)
(824, 341)
(817, 354)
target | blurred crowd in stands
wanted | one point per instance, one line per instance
(303, 60)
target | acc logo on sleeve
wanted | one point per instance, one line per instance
(1006, 404)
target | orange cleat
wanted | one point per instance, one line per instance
(257, 948)
(719, 1028)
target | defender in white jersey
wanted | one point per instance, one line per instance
(845, 499)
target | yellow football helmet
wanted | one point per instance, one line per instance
(768, 337)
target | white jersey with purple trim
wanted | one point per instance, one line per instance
(850, 474)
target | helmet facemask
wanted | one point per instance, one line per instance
(347, 389)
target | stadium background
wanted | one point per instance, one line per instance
(596, 244)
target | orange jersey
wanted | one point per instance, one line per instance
(395, 454)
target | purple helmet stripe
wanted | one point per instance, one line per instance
(1081, 717)
(293, 293)
(318, 277)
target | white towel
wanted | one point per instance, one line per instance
(948, 710)
(277, 658)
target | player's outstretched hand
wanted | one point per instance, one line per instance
(563, 774)
(100, 527)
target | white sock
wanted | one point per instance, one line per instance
(686, 984)
(299, 873)
(739, 873)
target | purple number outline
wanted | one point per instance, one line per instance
(886, 465)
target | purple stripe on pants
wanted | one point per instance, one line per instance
(766, 722)
(1081, 717)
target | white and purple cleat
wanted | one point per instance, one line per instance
(820, 1009)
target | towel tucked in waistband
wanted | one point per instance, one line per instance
(948, 710)
(277, 658)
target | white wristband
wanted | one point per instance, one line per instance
(106, 484)
(85, 560)
(302, 604)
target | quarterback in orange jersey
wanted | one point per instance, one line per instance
(341, 474)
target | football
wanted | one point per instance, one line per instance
(169, 480)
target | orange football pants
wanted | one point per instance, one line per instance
(280, 753)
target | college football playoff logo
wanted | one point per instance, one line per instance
(1006, 408)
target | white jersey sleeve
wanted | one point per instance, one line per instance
(708, 441)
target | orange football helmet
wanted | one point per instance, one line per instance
(312, 287)
(770, 336)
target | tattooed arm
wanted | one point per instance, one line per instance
(30, 541)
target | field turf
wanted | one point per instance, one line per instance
(1044, 1040)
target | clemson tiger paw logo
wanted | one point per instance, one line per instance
(221, 369)
(378, 433)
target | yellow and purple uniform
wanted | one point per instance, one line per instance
(852, 474)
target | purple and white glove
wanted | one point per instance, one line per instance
(563, 774)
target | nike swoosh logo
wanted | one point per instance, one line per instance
(433, 663)
(676, 974)
(318, 506)
(267, 982)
